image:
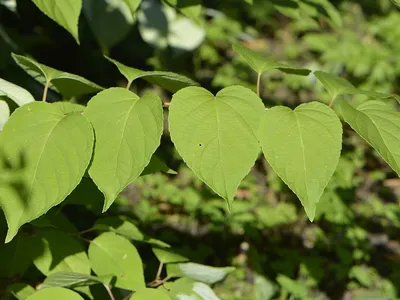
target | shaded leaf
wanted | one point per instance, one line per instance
(303, 147)
(206, 274)
(20, 291)
(156, 165)
(4, 113)
(133, 5)
(55, 293)
(211, 132)
(293, 287)
(168, 256)
(72, 279)
(128, 130)
(14, 92)
(150, 294)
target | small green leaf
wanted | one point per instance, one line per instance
(262, 63)
(55, 293)
(378, 124)
(4, 113)
(72, 279)
(64, 12)
(67, 84)
(264, 289)
(211, 132)
(294, 288)
(111, 254)
(206, 274)
(189, 8)
(150, 294)
(167, 80)
(133, 5)
(303, 147)
(128, 130)
(186, 288)
(168, 256)
(60, 252)
(20, 291)
(55, 147)
(16, 93)
(156, 165)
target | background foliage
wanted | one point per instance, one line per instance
(350, 251)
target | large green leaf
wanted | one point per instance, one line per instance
(198, 272)
(4, 113)
(378, 123)
(212, 132)
(262, 63)
(55, 293)
(167, 80)
(67, 84)
(64, 12)
(72, 279)
(14, 92)
(150, 294)
(111, 254)
(128, 130)
(60, 252)
(55, 144)
(167, 256)
(303, 147)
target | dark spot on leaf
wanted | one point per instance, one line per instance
(200, 145)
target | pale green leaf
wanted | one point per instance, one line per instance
(167, 80)
(378, 124)
(211, 132)
(168, 256)
(55, 293)
(20, 291)
(185, 35)
(262, 63)
(188, 289)
(303, 147)
(67, 84)
(60, 252)
(190, 8)
(150, 294)
(294, 288)
(206, 274)
(133, 5)
(101, 13)
(64, 12)
(111, 254)
(55, 147)
(128, 130)
(4, 113)
(16, 93)
(264, 289)
(72, 279)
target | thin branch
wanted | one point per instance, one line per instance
(109, 291)
(332, 100)
(160, 268)
(46, 87)
(128, 85)
(258, 84)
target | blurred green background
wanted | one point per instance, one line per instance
(352, 249)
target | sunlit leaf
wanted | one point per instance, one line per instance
(4, 113)
(14, 92)
(55, 293)
(186, 288)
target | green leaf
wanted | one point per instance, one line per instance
(67, 84)
(156, 165)
(111, 254)
(396, 2)
(56, 147)
(128, 130)
(72, 279)
(16, 93)
(101, 13)
(4, 113)
(210, 133)
(133, 5)
(303, 147)
(168, 256)
(55, 293)
(264, 289)
(206, 274)
(378, 124)
(262, 63)
(20, 291)
(189, 8)
(167, 80)
(60, 252)
(150, 294)
(186, 288)
(64, 12)
(293, 287)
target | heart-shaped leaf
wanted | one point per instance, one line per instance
(303, 147)
(167, 80)
(111, 254)
(64, 12)
(211, 132)
(55, 146)
(128, 130)
(4, 113)
(378, 124)
(262, 63)
(55, 293)
(67, 84)
(150, 294)
(14, 92)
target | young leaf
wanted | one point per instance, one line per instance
(20, 291)
(303, 147)
(378, 124)
(111, 254)
(262, 63)
(16, 93)
(211, 132)
(55, 293)
(170, 81)
(64, 12)
(55, 147)
(150, 294)
(168, 256)
(206, 274)
(128, 130)
(67, 84)
(72, 279)
(60, 252)
(4, 113)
